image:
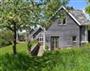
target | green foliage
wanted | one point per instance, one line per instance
(59, 15)
(20, 11)
(32, 43)
(16, 14)
(74, 59)
(50, 8)
(53, 5)
(6, 38)
(88, 7)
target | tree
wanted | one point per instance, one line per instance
(88, 7)
(53, 5)
(49, 8)
(17, 13)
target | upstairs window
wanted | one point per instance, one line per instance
(60, 17)
(62, 21)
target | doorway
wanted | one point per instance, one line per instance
(54, 42)
(88, 35)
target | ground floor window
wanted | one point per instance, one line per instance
(74, 38)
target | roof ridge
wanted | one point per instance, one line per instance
(66, 11)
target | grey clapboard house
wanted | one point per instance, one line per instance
(71, 31)
(67, 32)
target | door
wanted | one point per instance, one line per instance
(54, 42)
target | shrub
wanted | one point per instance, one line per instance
(6, 38)
(32, 43)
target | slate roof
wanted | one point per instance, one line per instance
(36, 31)
(80, 16)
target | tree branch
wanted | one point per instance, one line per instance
(9, 28)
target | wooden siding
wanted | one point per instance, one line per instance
(65, 32)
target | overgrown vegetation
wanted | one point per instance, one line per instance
(33, 43)
(6, 38)
(73, 59)
(88, 7)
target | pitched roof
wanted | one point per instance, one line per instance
(36, 31)
(80, 16)
(77, 16)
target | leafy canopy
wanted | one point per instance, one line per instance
(49, 8)
(88, 7)
(20, 11)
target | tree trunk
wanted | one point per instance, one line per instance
(14, 41)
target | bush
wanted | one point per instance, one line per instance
(32, 43)
(6, 38)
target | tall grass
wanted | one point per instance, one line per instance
(74, 59)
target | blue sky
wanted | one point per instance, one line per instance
(78, 4)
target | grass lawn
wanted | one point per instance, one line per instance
(74, 59)
(21, 47)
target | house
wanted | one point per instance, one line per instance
(66, 28)
(21, 35)
(70, 29)
(38, 34)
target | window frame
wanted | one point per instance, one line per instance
(61, 22)
(74, 38)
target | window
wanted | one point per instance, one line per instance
(62, 21)
(40, 39)
(54, 42)
(74, 38)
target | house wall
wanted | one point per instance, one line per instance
(65, 33)
(84, 34)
